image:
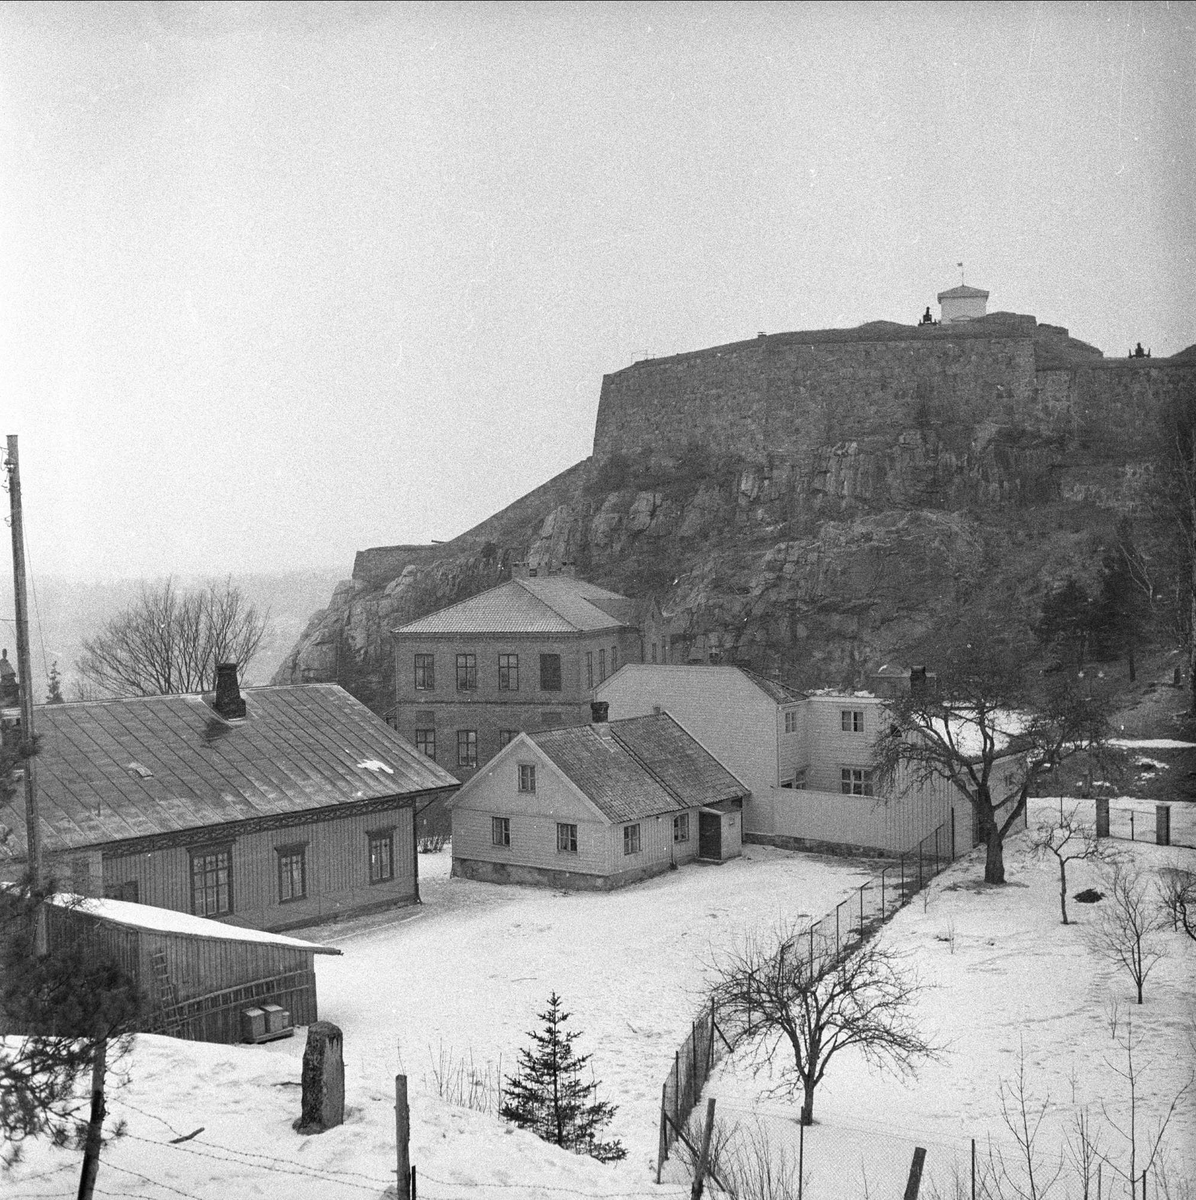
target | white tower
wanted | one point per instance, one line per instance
(962, 303)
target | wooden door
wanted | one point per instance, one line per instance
(710, 835)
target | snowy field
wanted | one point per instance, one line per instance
(1005, 979)
(466, 974)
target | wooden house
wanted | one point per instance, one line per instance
(596, 806)
(202, 980)
(807, 759)
(275, 809)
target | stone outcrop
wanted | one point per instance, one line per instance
(809, 501)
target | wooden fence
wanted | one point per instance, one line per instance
(849, 923)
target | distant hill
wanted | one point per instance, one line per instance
(64, 611)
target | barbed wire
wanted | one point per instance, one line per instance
(146, 1179)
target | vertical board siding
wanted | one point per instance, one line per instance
(336, 864)
(533, 841)
(214, 979)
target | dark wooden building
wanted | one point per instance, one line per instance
(202, 980)
(277, 808)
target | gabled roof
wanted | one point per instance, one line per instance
(546, 604)
(110, 770)
(641, 767)
(712, 676)
(963, 292)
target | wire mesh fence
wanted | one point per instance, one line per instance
(839, 931)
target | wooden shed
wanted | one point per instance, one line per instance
(199, 977)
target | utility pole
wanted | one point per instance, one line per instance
(33, 834)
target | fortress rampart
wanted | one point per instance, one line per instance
(783, 396)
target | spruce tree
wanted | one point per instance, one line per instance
(54, 695)
(549, 1097)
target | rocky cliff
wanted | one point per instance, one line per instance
(816, 502)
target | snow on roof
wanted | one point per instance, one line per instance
(166, 920)
(552, 604)
(1151, 744)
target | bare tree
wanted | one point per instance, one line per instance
(1177, 897)
(789, 991)
(1127, 927)
(994, 730)
(171, 640)
(1066, 839)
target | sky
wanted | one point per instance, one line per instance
(281, 281)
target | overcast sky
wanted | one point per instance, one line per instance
(280, 281)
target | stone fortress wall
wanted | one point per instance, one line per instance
(790, 396)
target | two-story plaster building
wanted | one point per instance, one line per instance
(520, 657)
(806, 757)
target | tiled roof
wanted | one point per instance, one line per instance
(963, 292)
(118, 769)
(641, 767)
(549, 604)
(712, 676)
(773, 688)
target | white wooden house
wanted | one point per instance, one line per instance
(807, 759)
(596, 806)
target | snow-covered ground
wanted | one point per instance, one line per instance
(467, 973)
(1005, 980)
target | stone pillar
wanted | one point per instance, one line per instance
(323, 1079)
(1162, 824)
(1102, 816)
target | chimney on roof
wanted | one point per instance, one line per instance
(598, 711)
(569, 569)
(917, 681)
(228, 701)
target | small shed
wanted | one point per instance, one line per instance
(198, 977)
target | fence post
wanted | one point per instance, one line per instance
(663, 1152)
(695, 1191)
(694, 1058)
(1162, 824)
(973, 1169)
(952, 856)
(862, 886)
(837, 907)
(710, 1044)
(919, 866)
(1131, 824)
(402, 1139)
(914, 1182)
(882, 893)
(901, 867)
(1102, 816)
(677, 1088)
(811, 951)
(937, 855)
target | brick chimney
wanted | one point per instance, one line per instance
(228, 701)
(598, 711)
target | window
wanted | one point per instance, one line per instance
(852, 720)
(508, 672)
(506, 735)
(589, 668)
(791, 720)
(681, 827)
(601, 665)
(500, 831)
(855, 781)
(382, 856)
(122, 891)
(614, 659)
(425, 742)
(292, 872)
(467, 747)
(467, 672)
(527, 778)
(550, 672)
(425, 672)
(566, 839)
(212, 881)
(631, 839)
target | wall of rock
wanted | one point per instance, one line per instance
(813, 502)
